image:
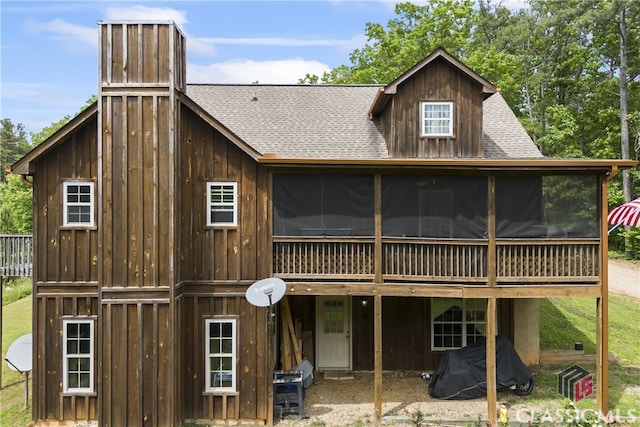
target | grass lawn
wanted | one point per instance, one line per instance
(16, 321)
(564, 321)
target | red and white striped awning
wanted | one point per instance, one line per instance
(627, 214)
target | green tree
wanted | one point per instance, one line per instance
(13, 145)
(407, 39)
(16, 213)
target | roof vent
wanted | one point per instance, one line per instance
(255, 96)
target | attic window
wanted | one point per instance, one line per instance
(436, 119)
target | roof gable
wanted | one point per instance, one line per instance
(392, 87)
(384, 94)
(23, 166)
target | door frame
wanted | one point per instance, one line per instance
(349, 324)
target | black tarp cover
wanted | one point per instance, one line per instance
(461, 374)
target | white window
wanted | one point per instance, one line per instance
(78, 204)
(220, 353)
(437, 119)
(77, 355)
(222, 203)
(457, 322)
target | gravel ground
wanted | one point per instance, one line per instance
(349, 402)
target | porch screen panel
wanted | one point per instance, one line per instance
(434, 206)
(323, 205)
(558, 206)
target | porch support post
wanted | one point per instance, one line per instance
(492, 392)
(602, 311)
(377, 357)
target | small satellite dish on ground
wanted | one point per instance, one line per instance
(19, 358)
(19, 354)
(266, 292)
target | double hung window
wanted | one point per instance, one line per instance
(78, 203)
(222, 203)
(437, 119)
(77, 355)
(220, 351)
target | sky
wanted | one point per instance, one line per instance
(49, 52)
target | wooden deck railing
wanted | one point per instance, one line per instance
(324, 258)
(433, 260)
(548, 261)
(517, 261)
(16, 255)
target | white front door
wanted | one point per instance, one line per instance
(333, 333)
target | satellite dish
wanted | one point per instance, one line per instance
(19, 355)
(266, 292)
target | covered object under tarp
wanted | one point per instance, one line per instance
(461, 374)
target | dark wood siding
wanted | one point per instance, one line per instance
(439, 81)
(65, 273)
(49, 402)
(234, 254)
(249, 402)
(65, 254)
(150, 53)
(216, 266)
(141, 73)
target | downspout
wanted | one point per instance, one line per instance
(23, 177)
(602, 303)
(25, 181)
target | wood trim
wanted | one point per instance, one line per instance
(542, 164)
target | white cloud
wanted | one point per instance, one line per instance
(76, 38)
(275, 41)
(342, 44)
(143, 13)
(286, 71)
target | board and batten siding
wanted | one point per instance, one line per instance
(216, 266)
(141, 73)
(439, 81)
(65, 274)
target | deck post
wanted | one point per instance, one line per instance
(602, 312)
(377, 357)
(492, 388)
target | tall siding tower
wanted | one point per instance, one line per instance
(141, 74)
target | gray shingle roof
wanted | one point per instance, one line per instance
(504, 137)
(331, 121)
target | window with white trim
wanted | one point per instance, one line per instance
(457, 322)
(78, 201)
(222, 203)
(77, 355)
(220, 351)
(436, 119)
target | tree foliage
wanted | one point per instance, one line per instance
(13, 145)
(16, 214)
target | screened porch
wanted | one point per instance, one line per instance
(437, 228)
